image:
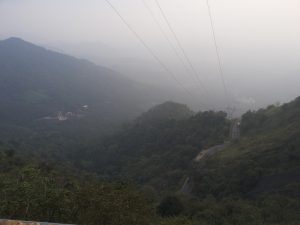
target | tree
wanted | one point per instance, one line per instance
(170, 206)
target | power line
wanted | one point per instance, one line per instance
(148, 48)
(180, 45)
(165, 35)
(217, 52)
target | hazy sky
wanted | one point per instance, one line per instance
(259, 40)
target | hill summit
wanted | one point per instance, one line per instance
(166, 111)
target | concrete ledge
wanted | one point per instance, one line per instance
(18, 222)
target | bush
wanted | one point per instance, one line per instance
(170, 206)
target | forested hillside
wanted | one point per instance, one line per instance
(36, 83)
(41, 191)
(135, 175)
(267, 157)
(249, 182)
(158, 147)
(50, 101)
(263, 168)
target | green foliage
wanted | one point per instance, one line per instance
(271, 118)
(170, 206)
(279, 209)
(158, 153)
(166, 111)
(227, 211)
(261, 171)
(177, 221)
(43, 193)
(36, 83)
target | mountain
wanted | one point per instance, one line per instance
(37, 83)
(46, 95)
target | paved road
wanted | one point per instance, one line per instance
(210, 151)
(234, 135)
(235, 130)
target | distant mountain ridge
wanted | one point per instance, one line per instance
(49, 97)
(45, 82)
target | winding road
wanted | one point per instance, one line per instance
(234, 136)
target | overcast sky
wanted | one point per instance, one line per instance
(259, 40)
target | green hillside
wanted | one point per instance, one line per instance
(267, 156)
(41, 191)
(166, 111)
(158, 147)
(36, 83)
(253, 181)
(262, 169)
(49, 100)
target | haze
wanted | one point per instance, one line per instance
(258, 42)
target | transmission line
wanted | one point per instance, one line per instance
(220, 68)
(165, 36)
(149, 49)
(180, 45)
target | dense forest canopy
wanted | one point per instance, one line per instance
(159, 152)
